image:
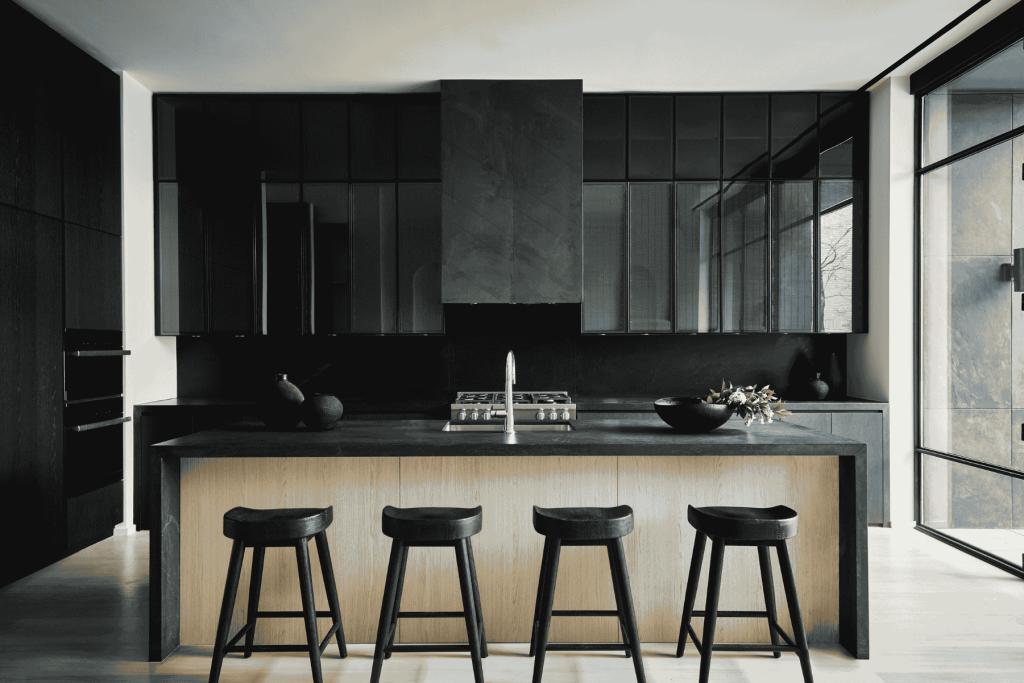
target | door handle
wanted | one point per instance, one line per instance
(92, 354)
(97, 425)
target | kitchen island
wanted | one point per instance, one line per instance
(361, 466)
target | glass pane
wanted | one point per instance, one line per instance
(650, 257)
(974, 505)
(419, 258)
(746, 136)
(419, 140)
(325, 140)
(840, 256)
(604, 138)
(794, 136)
(372, 228)
(372, 144)
(793, 257)
(650, 135)
(604, 257)
(332, 308)
(968, 387)
(744, 256)
(698, 136)
(182, 259)
(280, 139)
(973, 108)
(697, 257)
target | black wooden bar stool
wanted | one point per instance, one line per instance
(761, 527)
(262, 529)
(431, 528)
(584, 526)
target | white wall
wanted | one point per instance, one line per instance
(880, 363)
(151, 370)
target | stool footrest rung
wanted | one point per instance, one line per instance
(584, 613)
(752, 647)
(427, 648)
(431, 615)
(268, 648)
(289, 615)
(733, 613)
(585, 647)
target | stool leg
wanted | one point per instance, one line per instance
(794, 611)
(327, 569)
(618, 605)
(476, 599)
(255, 584)
(386, 608)
(538, 609)
(691, 590)
(769, 594)
(469, 607)
(617, 559)
(398, 602)
(547, 602)
(711, 607)
(227, 606)
(308, 607)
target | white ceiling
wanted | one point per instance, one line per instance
(402, 45)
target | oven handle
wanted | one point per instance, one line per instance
(87, 354)
(97, 425)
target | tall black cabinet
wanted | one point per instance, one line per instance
(60, 267)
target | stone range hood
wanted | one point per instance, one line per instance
(512, 185)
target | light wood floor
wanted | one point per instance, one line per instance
(936, 615)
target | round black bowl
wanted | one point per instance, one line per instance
(692, 415)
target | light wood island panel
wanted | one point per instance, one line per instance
(508, 550)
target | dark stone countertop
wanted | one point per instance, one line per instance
(616, 404)
(374, 438)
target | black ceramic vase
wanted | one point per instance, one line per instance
(280, 407)
(321, 412)
(818, 387)
(691, 415)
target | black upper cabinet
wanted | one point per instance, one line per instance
(419, 139)
(180, 141)
(279, 126)
(793, 267)
(92, 279)
(92, 144)
(794, 135)
(698, 136)
(289, 288)
(181, 260)
(604, 257)
(230, 142)
(650, 137)
(745, 126)
(373, 249)
(331, 257)
(325, 140)
(604, 138)
(230, 212)
(373, 147)
(419, 258)
(842, 122)
(744, 260)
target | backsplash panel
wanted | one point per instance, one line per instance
(551, 354)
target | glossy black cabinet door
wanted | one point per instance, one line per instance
(419, 139)
(794, 135)
(419, 258)
(231, 146)
(31, 416)
(745, 126)
(839, 126)
(279, 127)
(650, 137)
(373, 248)
(92, 279)
(604, 137)
(373, 140)
(698, 136)
(332, 297)
(92, 144)
(230, 214)
(181, 260)
(744, 257)
(841, 301)
(650, 257)
(604, 257)
(325, 140)
(698, 257)
(793, 268)
(180, 139)
(289, 286)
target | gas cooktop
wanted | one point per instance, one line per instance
(527, 406)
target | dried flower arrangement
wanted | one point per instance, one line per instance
(750, 402)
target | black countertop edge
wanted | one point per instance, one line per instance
(415, 438)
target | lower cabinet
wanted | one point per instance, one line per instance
(91, 516)
(92, 279)
(869, 427)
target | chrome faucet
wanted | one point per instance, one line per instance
(510, 379)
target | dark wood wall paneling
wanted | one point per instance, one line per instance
(360, 161)
(744, 232)
(60, 266)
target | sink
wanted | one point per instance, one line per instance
(500, 427)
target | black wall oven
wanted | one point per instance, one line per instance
(93, 434)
